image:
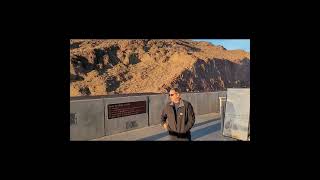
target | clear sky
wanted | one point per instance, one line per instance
(230, 44)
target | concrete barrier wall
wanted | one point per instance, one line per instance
(203, 103)
(89, 116)
(221, 94)
(156, 105)
(121, 124)
(192, 99)
(86, 119)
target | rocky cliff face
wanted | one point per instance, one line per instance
(101, 67)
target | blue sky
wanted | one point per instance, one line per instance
(230, 44)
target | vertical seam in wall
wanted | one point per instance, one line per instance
(148, 111)
(104, 117)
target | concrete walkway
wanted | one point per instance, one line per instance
(206, 128)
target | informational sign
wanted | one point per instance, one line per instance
(237, 114)
(126, 109)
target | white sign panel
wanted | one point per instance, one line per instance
(236, 119)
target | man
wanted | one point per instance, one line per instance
(178, 117)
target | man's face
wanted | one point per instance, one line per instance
(174, 96)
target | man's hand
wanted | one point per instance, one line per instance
(165, 126)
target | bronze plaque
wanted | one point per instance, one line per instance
(126, 109)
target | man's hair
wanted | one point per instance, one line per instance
(177, 90)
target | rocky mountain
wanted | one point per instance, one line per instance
(101, 67)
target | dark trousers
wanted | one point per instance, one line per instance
(173, 136)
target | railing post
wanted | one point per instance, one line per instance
(222, 110)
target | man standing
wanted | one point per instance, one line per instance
(178, 117)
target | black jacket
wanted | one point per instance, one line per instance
(184, 119)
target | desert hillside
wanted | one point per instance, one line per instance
(101, 67)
